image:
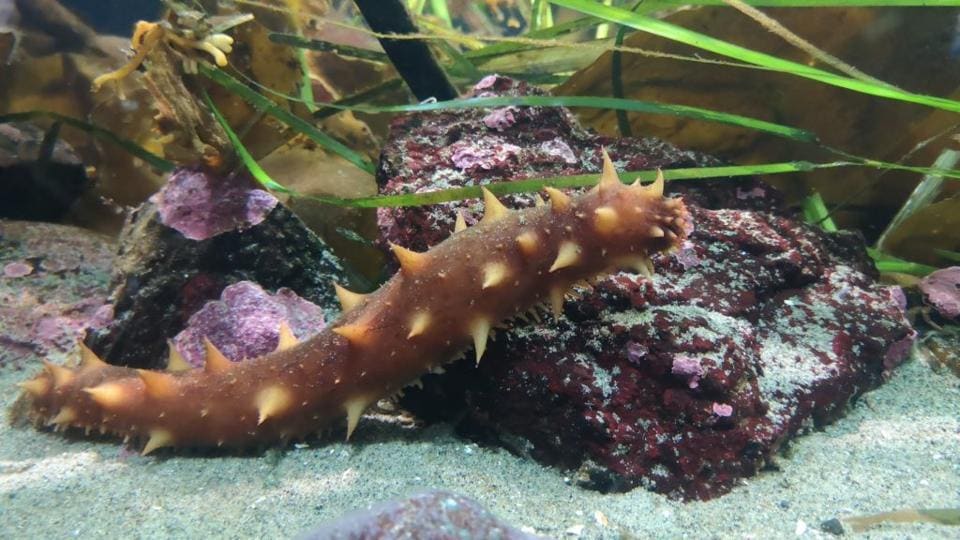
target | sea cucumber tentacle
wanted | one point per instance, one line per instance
(439, 304)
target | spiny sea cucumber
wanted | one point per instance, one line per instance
(434, 308)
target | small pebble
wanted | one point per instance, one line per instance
(17, 269)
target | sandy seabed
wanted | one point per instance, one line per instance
(899, 447)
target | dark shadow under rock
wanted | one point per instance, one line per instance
(40, 175)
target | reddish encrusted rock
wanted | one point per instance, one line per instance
(163, 275)
(444, 149)
(758, 328)
(432, 514)
(53, 286)
(245, 323)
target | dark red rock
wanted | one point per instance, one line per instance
(687, 383)
(759, 327)
(432, 514)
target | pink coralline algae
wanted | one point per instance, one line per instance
(201, 205)
(481, 155)
(245, 322)
(500, 119)
(689, 368)
(722, 409)
(685, 383)
(941, 289)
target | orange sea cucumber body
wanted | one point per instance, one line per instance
(433, 309)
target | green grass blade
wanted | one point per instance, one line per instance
(347, 51)
(553, 32)
(101, 133)
(743, 54)
(251, 164)
(261, 103)
(815, 212)
(582, 180)
(440, 10)
(632, 105)
(951, 256)
(888, 263)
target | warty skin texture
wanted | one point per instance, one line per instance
(439, 304)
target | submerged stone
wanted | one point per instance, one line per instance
(37, 182)
(432, 514)
(941, 289)
(446, 149)
(758, 328)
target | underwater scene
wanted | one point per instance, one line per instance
(480, 269)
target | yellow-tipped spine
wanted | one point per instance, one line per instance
(493, 209)
(215, 361)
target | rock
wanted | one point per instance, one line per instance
(432, 514)
(53, 286)
(692, 381)
(162, 276)
(941, 290)
(758, 328)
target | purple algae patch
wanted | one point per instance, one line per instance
(500, 119)
(722, 409)
(941, 290)
(201, 205)
(483, 154)
(689, 368)
(244, 323)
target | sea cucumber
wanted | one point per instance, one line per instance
(439, 304)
